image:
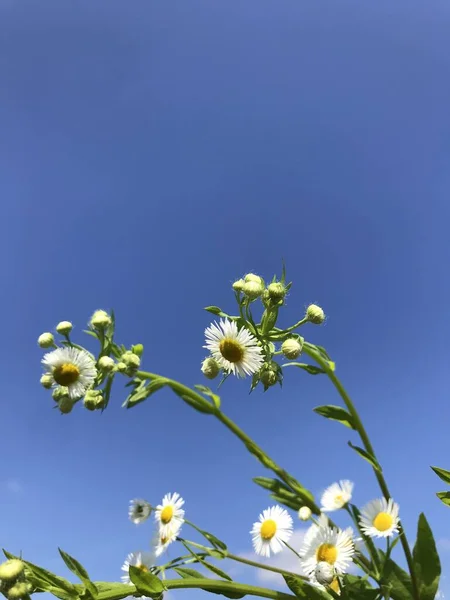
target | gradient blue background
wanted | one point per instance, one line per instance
(153, 152)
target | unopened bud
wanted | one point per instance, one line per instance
(138, 349)
(210, 368)
(131, 360)
(324, 573)
(277, 291)
(100, 320)
(106, 364)
(291, 348)
(64, 328)
(238, 285)
(269, 375)
(253, 289)
(304, 513)
(46, 340)
(65, 405)
(47, 381)
(19, 590)
(94, 400)
(60, 392)
(121, 367)
(315, 314)
(11, 569)
(253, 277)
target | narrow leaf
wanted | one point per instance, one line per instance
(76, 568)
(426, 560)
(442, 474)
(188, 573)
(146, 583)
(444, 497)
(396, 581)
(216, 570)
(370, 459)
(336, 413)
(311, 369)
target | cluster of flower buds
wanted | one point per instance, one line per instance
(13, 580)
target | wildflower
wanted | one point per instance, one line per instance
(273, 528)
(169, 514)
(139, 511)
(236, 351)
(64, 327)
(337, 495)
(379, 518)
(323, 543)
(72, 368)
(46, 340)
(162, 541)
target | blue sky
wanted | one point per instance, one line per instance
(152, 153)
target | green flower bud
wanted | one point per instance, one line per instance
(269, 375)
(131, 360)
(106, 364)
(315, 314)
(291, 348)
(277, 292)
(46, 381)
(64, 328)
(210, 368)
(65, 405)
(253, 289)
(138, 349)
(304, 513)
(94, 400)
(324, 573)
(121, 367)
(11, 569)
(19, 590)
(60, 392)
(100, 320)
(254, 278)
(46, 340)
(238, 285)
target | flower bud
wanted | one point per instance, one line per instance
(138, 349)
(121, 367)
(94, 400)
(277, 291)
(253, 289)
(210, 368)
(60, 392)
(64, 328)
(106, 364)
(269, 375)
(265, 299)
(46, 381)
(238, 285)
(324, 573)
(253, 277)
(65, 405)
(291, 348)
(19, 590)
(315, 314)
(46, 340)
(100, 320)
(304, 513)
(131, 360)
(11, 569)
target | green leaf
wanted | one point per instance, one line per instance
(370, 459)
(92, 333)
(213, 540)
(442, 474)
(426, 560)
(336, 413)
(294, 503)
(216, 570)
(208, 392)
(301, 589)
(146, 583)
(204, 408)
(188, 573)
(311, 369)
(215, 310)
(76, 568)
(274, 485)
(444, 497)
(396, 581)
(358, 588)
(112, 591)
(143, 390)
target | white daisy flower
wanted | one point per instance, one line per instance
(235, 350)
(169, 515)
(161, 542)
(71, 368)
(337, 495)
(273, 528)
(327, 544)
(143, 560)
(139, 511)
(379, 518)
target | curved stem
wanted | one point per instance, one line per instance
(368, 446)
(215, 585)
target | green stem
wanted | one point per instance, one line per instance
(369, 448)
(226, 586)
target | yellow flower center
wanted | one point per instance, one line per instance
(166, 514)
(268, 529)
(327, 553)
(143, 568)
(383, 521)
(339, 499)
(334, 585)
(231, 350)
(66, 374)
